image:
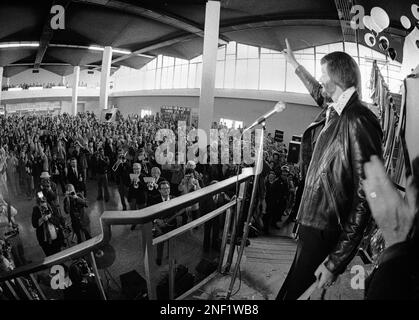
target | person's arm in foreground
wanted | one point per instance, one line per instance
(396, 275)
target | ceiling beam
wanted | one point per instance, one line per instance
(269, 22)
(46, 36)
(156, 15)
(154, 45)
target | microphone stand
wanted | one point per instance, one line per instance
(258, 170)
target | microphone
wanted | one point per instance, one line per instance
(279, 107)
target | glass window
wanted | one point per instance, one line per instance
(192, 75)
(230, 67)
(272, 74)
(252, 75)
(159, 61)
(252, 52)
(241, 73)
(241, 51)
(221, 53)
(231, 47)
(145, 113)
(179, 62)
(197, 59)
(168, 61)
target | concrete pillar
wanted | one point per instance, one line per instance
(1, 81)
(76, 77)
(209, 64)
(104, 78)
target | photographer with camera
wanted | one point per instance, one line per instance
(153, 186)
(102, 166)
(9, 232)
(74, 204)
(137, 194)
(122, 170)
(189, 184)
(56, 168)
(49, 190)
(48, 226)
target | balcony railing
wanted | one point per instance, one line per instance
(22, 281)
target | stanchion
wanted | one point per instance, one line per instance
(258, 170)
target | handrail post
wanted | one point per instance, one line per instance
(172, 266)
(35, 282)
(236, 218)
(224, 239)
(147, 244)
(97, 277)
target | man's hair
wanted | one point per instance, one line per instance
(343, 70)
(164, 182)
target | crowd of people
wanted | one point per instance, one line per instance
(44, 85)
(56, 160)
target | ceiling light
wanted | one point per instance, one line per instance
(19, 44)
(96, 48)
(121, 51)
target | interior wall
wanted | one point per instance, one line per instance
(44, 76)
(293, 120)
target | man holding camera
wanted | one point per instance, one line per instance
(102, 165)
(137, 194)
(74, 205)
(189, 184)
(49, 191)
(122, 170)
(48, 226)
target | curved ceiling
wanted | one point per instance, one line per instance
(174, 28)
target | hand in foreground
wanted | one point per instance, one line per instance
(324, 277)
(393, 214)
(289, 55)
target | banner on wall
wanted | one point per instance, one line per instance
(33, 107)
(176, 113)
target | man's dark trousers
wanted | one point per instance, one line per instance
(314, 245)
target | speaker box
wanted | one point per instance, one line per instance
(134, 286)
(293, 152)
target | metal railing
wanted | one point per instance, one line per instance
(145, 218)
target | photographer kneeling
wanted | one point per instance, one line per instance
(74, 204)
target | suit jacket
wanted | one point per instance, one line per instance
(75, 179)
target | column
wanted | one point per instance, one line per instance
(209, 64)
(76, 78)
(1, 83)
(104, 78)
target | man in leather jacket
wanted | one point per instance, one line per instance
(333, 213)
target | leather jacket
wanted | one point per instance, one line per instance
(333, 156)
